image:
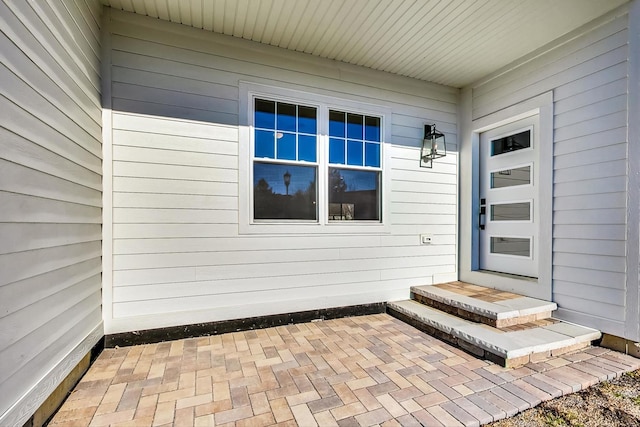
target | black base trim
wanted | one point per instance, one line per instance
(150, 336)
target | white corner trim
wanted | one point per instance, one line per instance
(27, 404)
(632, 311)
(107, 172)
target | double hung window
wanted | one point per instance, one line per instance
(354, 167)
(285, 165)
(314, 163)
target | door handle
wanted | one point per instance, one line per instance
(482, 213)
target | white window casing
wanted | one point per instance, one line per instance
(323, 104)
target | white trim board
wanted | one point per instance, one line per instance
(632, 311)
(107, 174)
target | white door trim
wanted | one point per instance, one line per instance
(470, 130)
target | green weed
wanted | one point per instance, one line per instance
(552, 420)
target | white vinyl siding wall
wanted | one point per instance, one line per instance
(178, 257)
(588, 77)
(50, 197)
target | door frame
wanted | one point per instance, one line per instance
(469, 253)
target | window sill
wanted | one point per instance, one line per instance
(279, 228)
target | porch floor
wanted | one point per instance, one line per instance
(355, 371)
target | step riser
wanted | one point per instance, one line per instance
(491, 307)
(454, 336)
(478, 318)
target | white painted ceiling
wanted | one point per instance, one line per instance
(452, 42)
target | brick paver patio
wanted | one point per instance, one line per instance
(359, 371)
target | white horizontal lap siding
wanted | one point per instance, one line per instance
(50, 197)
(588, 78)
(178, 257)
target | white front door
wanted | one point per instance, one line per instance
(509, 211)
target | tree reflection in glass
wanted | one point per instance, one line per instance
(354, 195)
(274, 199)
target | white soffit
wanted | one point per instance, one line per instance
(451, 42)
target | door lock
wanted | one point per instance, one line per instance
(482, 213)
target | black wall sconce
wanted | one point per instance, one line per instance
(433, 146)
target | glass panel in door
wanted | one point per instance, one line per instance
(508, 237)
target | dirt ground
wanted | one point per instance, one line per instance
(611, 403)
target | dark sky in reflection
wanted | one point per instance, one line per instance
(302, 176)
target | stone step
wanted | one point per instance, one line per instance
(507, 348)
(483, 305)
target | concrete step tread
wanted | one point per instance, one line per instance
(506, 344)
(499, 310)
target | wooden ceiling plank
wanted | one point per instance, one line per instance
(229, 19)
(196, 13)
(151, 8)
(499, 37)
(270, 35)
(174, 11)
(163, 10)
(297, 14)
(327, 23)
(437, 32)
(127, 6)
(185, 12)
(242, 15)
(401, 32)
(207, 15)
(420, 36)
(459, 27)
(309, 25)
(339, 27)
(466, 43)
(281, 20)
(375, 22)
(453, 42)
(358, 21)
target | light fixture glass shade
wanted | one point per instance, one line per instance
(434, 145)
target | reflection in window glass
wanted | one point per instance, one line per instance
(372, 154)
(354, 153)
(336, 151)
(511, 246)
(295, 126)
(511, 212)
(354, 139)
(264, 141)
(511, 143)
(286, 146)
(284, 191)
(511, 177)
(286, 117)
(307, 120)
(372, 129)
(285, 164)
(337, 124)
(354, 195)
(265, 114)
(307, 148)
(355, 129)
